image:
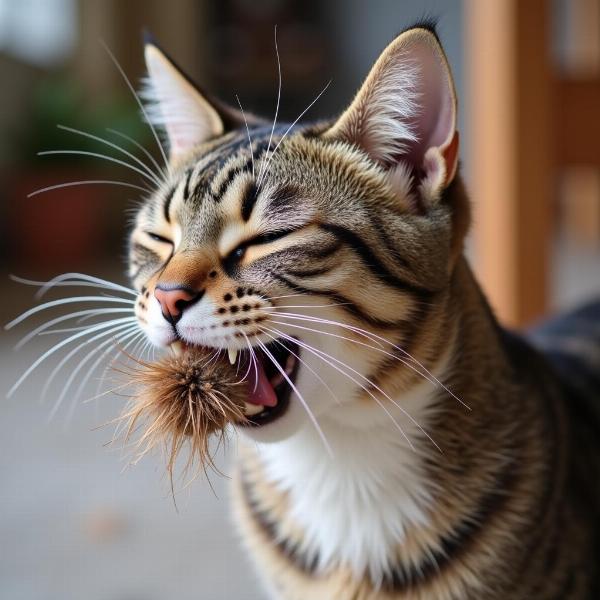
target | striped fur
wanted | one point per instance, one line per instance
(460, 465)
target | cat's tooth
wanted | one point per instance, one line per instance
(177, 348)
(252, 409)
(232, 355)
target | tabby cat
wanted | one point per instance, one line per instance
(399, 443)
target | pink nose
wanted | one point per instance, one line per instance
(173, 301)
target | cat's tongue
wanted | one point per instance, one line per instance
(261, 391)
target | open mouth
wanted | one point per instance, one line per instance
(269, 384)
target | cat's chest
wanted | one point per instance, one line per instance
(351, 509)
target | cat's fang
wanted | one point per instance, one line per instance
(232, 355)
(251, 410)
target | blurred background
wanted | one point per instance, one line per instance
(75, 520)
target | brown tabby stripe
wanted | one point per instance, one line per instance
(371, 262)
(167, 204)
(402, 578)
(269, 527)
(345, 303)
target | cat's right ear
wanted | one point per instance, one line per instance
(404, 115)
(173, 102)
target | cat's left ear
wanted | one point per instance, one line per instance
(189, 116)
(405, 112)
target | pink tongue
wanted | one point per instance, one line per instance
(261, 390)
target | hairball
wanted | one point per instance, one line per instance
(183, 400)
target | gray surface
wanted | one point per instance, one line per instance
(74, 525)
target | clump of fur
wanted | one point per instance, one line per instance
(183, 400)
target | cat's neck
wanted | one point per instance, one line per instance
(376, 479)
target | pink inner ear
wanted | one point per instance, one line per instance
(434, 124)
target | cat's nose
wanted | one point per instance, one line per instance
(174, 300)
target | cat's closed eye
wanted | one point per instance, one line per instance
(158, 238)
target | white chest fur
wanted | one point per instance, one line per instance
(354, 506)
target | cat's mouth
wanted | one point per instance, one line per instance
(270, 375)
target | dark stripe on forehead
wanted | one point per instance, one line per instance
(231, 175)
(167, 204)
(249, 200)
(186, 189)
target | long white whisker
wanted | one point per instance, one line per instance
(249, 361)
(63, 330)
(90, 312)
(59, 186)
(46, 305)
(263, 166)
(248, 133)
(252, 362)
(324, 358)
(64, 281)
(291, 127)
(102, 157)
(97, 138)
(375, 386)
(119, 338)
(299, 395)
(407, 362)
(57, 347)
(377, 339)
(113, 326)
(67, 277)
(139, 102)
(305, 364)
(330, 305)
(88, 357)
(159, 170)
(287, 296)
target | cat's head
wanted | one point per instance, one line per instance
(314, 255)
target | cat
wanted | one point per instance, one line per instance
(401, 443)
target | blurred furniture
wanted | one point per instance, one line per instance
(529, 122)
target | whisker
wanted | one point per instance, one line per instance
(102, 157)
(46, 305)
(298, 394)
(427, 374)
(58, 346)
(115, 327)
(405, 362)
(140, 104)
(317, 353)
(87, 358)
(305, 364)
(79, 279)
(91, 312)
(159, 169)
(59, 186)
(307, 305)
(97, 362)
(263, 166)
(252, 361)
(292, 125)
(97, 138)
(369, 382)
(248, 133)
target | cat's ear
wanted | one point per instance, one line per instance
(189, 116)
(405, 112)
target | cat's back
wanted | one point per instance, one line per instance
(571, 344)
